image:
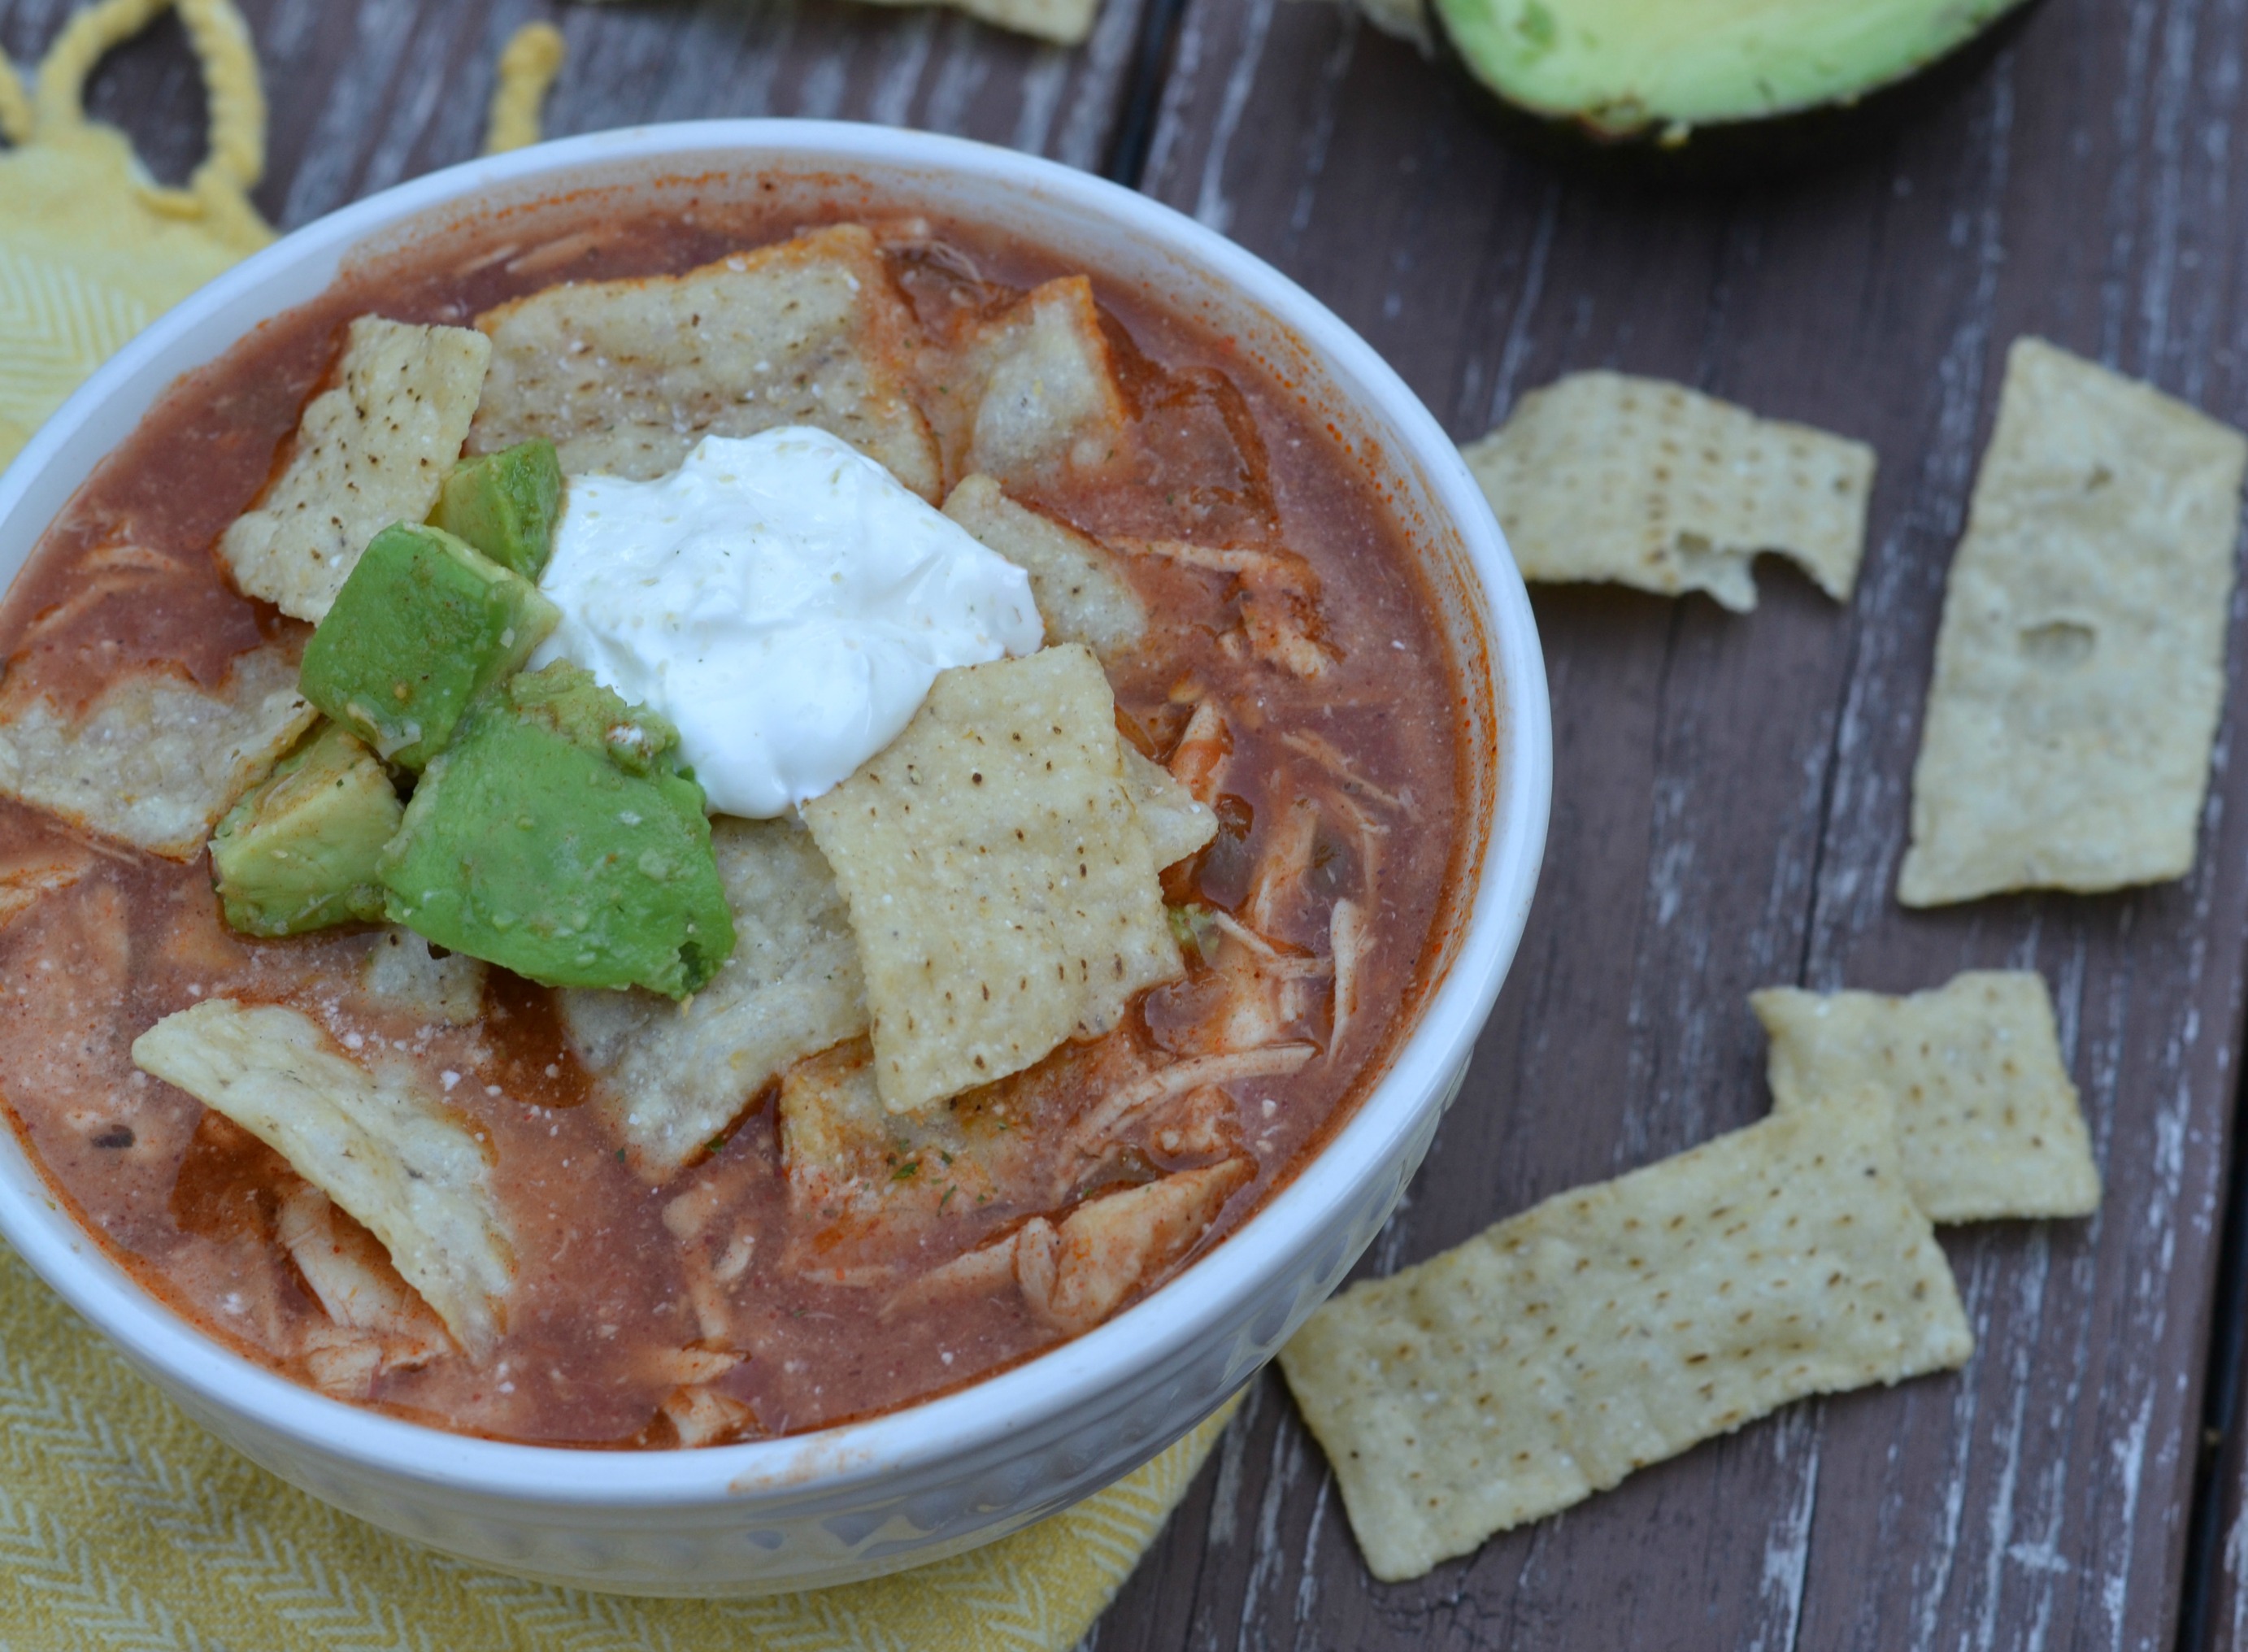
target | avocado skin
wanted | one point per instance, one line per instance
(557, 837)
(424, 624)
(505, 505)
(299, 851)
(1767, 147)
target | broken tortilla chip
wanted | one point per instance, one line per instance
(1081, 593)
(2079, 667)
(373, 451)
(156, 760)
(1988, 1124)
(1047, 394)
(1601, 475)
(1619, 1325)
(387, 1151)
(670, 1077)
(626, 377)
(1176, 824)
(402, 976)
(1000, 884)
(861, 1179)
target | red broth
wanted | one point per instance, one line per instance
(608, 1290)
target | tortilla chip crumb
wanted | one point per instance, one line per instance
(1988, 1123)
(1602, 475)
(1619, 1325)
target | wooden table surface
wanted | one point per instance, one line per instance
(1730, 791)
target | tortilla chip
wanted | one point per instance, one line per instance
(1081, 592)
(2080, 668)
(1048, 395)
(378, 1143)
(1601, 475)
(1619, 1325)
(371, 452)
(1176, 824)
(403, 976)
(1000, 884)
(625, 377)
(1988, 1124)
(859, 1175)
(157, 760)
(672, 1076)
(837, 1139)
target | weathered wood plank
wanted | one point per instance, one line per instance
(1730, 810)
(368, 93)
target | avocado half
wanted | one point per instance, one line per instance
(1664, 68)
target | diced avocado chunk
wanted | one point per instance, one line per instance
(424, 624)
(505, 504)
(556, 837)
(299, 851)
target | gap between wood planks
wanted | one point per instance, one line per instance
(2221, 1393)
(1143, 100)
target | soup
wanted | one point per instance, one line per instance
(697, 1239)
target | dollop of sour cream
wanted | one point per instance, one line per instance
(783, 600)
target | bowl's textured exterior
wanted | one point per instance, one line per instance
(969, 1466)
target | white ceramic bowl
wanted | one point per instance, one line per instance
(963, 1469)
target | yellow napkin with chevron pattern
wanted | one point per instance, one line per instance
(91, 250)
(94, 1464)
(123, 1525)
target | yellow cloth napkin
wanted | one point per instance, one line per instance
(122, 1523)
(91, 250)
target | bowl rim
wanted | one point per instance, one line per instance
(1066, 1381)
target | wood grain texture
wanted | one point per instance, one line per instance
(365, 93)
(1729, 809)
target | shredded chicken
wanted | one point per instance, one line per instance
(376, 1322)
(1093, 1131)
(1279, 598)
(1324, 752)
(686, 1366)
(1352, 940)
(1198, 761)
(1279, 879)
(1270, 957)
(704, 1417)
(1199, 1124)
(1074, 1273)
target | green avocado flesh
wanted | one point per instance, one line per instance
(299, 851)
(1621, 67)
(556, 837)
(424, 624)
(505, 505)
